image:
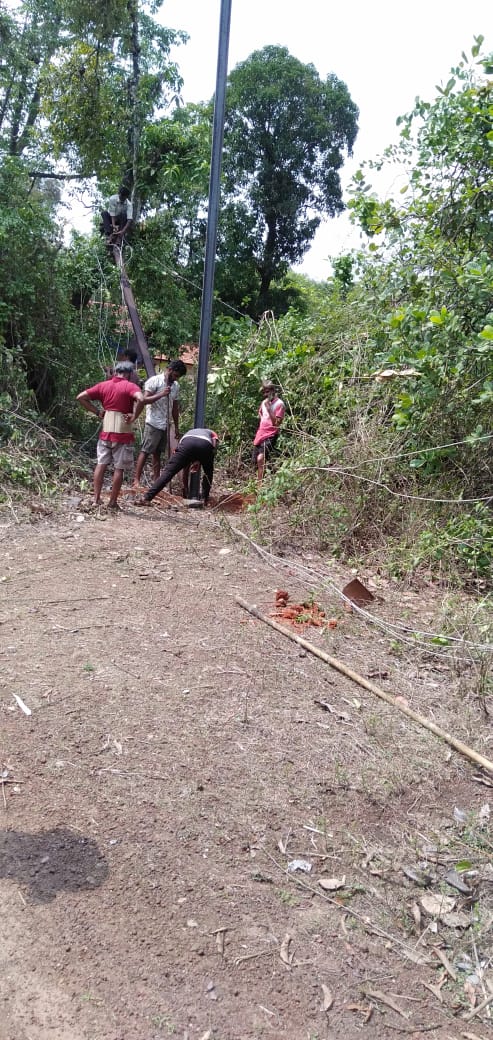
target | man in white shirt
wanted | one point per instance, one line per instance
(118, 215)
(161, 395)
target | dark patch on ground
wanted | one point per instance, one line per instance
(51, 862)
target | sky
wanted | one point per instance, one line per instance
(387, 54)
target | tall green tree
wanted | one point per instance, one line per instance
(79, 80)
(286, 134)
(110, 77)
(28, 41)
(175, 177)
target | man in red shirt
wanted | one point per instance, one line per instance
(122, 403)
(271, 413)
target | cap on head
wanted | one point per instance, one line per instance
(124, 368)
(267, 384)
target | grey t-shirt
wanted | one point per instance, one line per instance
(203, 435)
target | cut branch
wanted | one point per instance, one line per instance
(339, 666)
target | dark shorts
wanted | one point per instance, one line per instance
(154, 440)
(106, 227)
(265, 448)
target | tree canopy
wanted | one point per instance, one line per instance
(79, 80)
(286, 134)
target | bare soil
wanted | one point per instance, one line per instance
(181, 758)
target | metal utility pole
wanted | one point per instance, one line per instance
(212, 219)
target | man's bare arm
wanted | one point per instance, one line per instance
(88, 405)
(158, 396)
(139, 403)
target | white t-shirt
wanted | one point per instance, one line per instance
(157, 412)
(116, 208)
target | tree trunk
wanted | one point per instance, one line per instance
(266, 267)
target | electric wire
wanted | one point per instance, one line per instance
(423, 451)
(390, 491)
(167, 269)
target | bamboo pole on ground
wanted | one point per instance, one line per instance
(367, 684)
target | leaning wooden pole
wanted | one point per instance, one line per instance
(463, 749)
(133, 314)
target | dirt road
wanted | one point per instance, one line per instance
(179, 760)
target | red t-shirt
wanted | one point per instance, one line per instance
(116, 395)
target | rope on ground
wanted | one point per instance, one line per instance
(367, 684)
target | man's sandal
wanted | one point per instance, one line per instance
(141, 500)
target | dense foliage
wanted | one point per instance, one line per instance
(388, 377)
(386, 369)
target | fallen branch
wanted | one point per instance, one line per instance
(339, 666)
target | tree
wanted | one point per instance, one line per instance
(79, 79)
(44, 349)
(27, 47)
(174, 177)
(286, 134)
(110, 76)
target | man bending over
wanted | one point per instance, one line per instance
(196, 446)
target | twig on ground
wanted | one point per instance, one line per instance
(251, 956)
(417, 1029)
(375, 994)
(446, 963)
(479, 973)
(142, 776)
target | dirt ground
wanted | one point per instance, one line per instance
(187, 777)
